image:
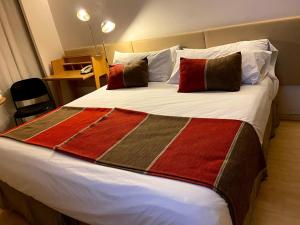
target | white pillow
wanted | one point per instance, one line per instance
(261, 44)
(160, 63)
(173, 53)
(252, 62)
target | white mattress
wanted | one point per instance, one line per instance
(100, 195)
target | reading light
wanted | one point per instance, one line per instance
(83, 15)
(107, 26)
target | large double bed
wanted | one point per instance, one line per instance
(49, 187)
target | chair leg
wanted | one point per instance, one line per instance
(18, 119)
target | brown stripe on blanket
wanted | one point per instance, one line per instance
(245, 149)
(33, 128)
(139, 149)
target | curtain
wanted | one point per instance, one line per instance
(17, 56)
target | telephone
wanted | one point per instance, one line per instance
(86, 69)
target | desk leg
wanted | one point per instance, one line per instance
(58, 91)
(97, 81)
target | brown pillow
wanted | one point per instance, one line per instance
(220, 74)
(134, 74)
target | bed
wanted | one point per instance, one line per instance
(178, 202)
(50, 185)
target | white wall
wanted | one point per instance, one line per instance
(43, 31)
(137, 19)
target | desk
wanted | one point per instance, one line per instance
(2, 100)
(69, 75)
(68, 68)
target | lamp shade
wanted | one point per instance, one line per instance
(107, 26)
(83, 15)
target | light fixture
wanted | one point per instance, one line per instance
(107, 26)
(83, 15)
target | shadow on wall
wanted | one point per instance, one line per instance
(64, 14)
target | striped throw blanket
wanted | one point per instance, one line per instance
(224, 155)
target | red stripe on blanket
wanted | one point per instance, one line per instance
(66, 129)
(181, 160)
(109, 131)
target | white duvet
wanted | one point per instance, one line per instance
(101, 195)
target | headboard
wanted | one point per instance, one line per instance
(283, 33)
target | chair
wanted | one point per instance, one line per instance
(30, 89)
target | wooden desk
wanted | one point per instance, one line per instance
(68, 68)
(68, 75)
(2, 100)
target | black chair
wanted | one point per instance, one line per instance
(30, 89)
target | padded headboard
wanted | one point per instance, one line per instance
(190, 40)
(110, 50)
(283, 33)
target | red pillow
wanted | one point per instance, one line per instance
(115, 77)
(221, 74)
(134, 74)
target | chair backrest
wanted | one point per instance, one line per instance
(28, 89)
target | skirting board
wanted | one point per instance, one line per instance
(289, 117)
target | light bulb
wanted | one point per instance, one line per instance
(107, 26)
(83, 15)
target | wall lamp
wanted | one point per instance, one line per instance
(107, 26)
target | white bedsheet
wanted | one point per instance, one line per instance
(100, 195)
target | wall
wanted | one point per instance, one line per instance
(43, 31)
(289, 105)
(138, 19)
